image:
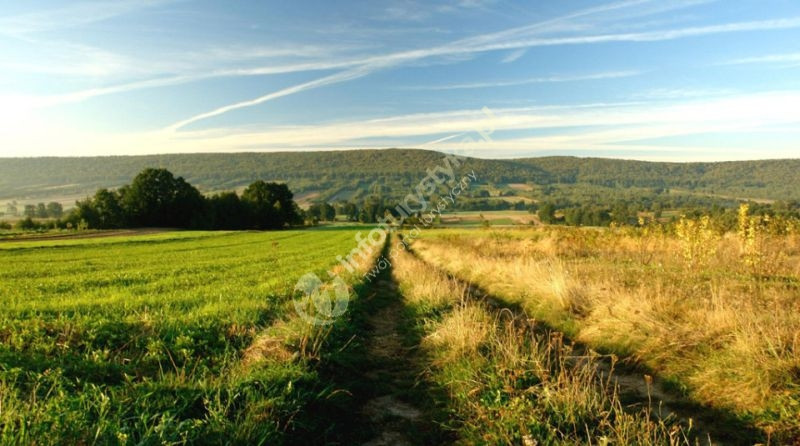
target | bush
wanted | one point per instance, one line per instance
(27, 224)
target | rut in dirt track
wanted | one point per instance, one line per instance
(400, 408)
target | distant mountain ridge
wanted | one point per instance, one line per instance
(329, 175)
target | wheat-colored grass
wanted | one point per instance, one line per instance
(510, 385)
(724, 323)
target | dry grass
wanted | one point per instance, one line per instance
(265, 348)
(725, 325)
(421, 285)
(460, 333)
(510, 385)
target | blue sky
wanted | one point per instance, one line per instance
(659, 80)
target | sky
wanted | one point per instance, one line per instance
(677, 80)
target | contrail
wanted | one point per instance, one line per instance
(489, 42)
(321, 82)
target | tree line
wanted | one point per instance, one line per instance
(628, 213)
(156, 198)
(40, 210)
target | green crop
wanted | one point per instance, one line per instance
(139, 339)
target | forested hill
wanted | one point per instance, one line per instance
(334, 175)
(323, 172)
(764, 179)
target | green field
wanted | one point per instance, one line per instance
(473, 336)
(141, 340)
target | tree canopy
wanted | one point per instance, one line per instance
(156, 198)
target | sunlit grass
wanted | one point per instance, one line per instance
(508, 383)
(141, 339)
(706, 310)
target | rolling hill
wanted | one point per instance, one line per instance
(391, 173)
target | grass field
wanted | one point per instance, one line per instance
(510, 382)
(713, 316)
(495, 218)
(531, 335)
(149, 339)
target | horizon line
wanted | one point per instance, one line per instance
(443, 152)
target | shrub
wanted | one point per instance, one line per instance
(759, 250)
(27, 224)
(699, 240)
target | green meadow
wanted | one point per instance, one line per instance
(143, 340)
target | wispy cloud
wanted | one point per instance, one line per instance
(591, 124)
(650, 36)
(512, 40)
(98, 63)
(632, 18)
(599, 126)
(683, 93)
(614, 127)
(514, 55)
(783, 59)
(459, 48)
(327, 80)
(417, 11)
(73, 15)
(535, 80)
(364, 67)
(30, 102)
(618, 122)
(508, 40)
(239, 53)
(69, 60)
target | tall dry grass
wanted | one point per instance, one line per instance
(508, 383)
(706, 309)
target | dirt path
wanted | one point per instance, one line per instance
(393, 417)
(398, 408)
(641, 388)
